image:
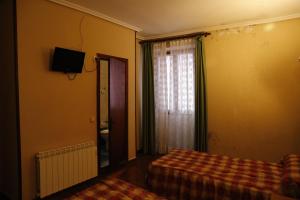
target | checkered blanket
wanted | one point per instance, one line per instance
(290, 180)
(114, 189)
(191, 175)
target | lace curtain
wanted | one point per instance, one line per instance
(173, 64)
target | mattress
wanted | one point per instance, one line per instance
(191, 175)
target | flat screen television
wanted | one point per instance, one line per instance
(68, 61)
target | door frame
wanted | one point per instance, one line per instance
(107, 58)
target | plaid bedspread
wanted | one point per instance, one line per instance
(191, 175)
(114, 189)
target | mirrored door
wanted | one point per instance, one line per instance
(103, 131)
(112, 111)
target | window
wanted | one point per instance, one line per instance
(177, 84)
(173, 66)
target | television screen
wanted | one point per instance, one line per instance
(66, 60)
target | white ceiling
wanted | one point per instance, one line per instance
(158, 17)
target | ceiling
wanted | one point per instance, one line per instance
(158, 17)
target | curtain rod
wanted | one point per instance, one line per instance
(176, 37)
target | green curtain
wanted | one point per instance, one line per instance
(200, 97)
(148, 117)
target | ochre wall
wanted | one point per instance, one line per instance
(55, 111)
(253, 90)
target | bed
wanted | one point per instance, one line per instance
(191, 175)
(114, 189)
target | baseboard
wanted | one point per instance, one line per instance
(130, 159)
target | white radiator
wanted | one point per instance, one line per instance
(61, 168)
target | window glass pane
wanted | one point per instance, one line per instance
(174, 80)
(185, 83)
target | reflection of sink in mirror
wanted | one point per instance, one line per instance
(104, 131)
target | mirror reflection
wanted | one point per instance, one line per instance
(104, 113)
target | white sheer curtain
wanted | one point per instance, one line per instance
(174, 94)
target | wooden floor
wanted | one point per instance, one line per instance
(3, 197)
(133, 172)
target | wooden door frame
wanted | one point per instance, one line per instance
(107, 58)
(11, 27)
